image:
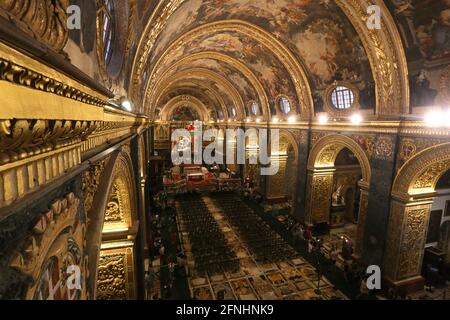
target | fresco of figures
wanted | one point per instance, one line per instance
(425, 28)
(334, 50)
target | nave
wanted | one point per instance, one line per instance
(231, 253)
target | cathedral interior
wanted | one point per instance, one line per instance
(356, 94)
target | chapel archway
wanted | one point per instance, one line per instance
(413, 195)
(334, 166)
(116, 276)
(281, 189)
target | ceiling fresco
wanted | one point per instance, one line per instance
(268, 69)
(207, 97)
(425, 28)
(208, 83)
(234, 76)
(315, 31)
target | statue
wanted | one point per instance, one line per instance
(337, 198)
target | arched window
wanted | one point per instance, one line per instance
(254, 108)
(285, 105)
(342, 97)
(108, 23)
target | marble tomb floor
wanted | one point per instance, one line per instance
(233, 254)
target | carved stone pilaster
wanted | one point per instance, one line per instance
(406, 239)
(363, 203)
(319, 196)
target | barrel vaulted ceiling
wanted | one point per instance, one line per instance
(230, 53)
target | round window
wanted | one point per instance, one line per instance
(342, 98)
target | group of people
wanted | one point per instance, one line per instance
(164, 221)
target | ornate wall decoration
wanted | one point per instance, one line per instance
(413, 243)
(56, 241)
(386, 54)
(317, 135)
(428, 178)
(384, 148)
(328, 156)
(367, 143)
(409, 147)
(44, 20)
(20, 139)
(23, 76)
(114, 210)
(320, 198)
(363, 204)
(421, 173)
(91, 182)
(115, 280)
(326, 149)
(394, 238)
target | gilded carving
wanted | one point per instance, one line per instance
(114, 209)
(112, 277)
(363, 204)
(23, 76)
(320, 198)
(20, 139)
(394, 234)
(384, 148)
(413, 243)
(429, 177)
(55, 241)
(45, 20)
(91, 182)
(386, 54)
(421, 172)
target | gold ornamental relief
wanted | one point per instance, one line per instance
(394, 235)
(386, 56)
(44, 20)
(112, 277)
(320, 198)
(430, 176)
(413, 242)
(114, 210)
(91, 182)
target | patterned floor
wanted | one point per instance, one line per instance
(250, 274)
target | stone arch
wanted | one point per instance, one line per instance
(115, 272)
(282, 186)
(284, 55)
(321, 168)
(324, 153)
(420, 174)
(252, 78)
(190, 83)
(412, 198)
(386, 55)
(190, 101)
(201, 72)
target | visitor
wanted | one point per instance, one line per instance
(334, 254)
(310, 246)
(162, 251)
